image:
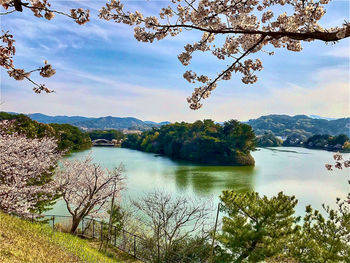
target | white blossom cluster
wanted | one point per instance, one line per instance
(23, 161)
(249, 25)
(80, 15)
(86, 187)
(7, 51)
(42, 8)
(340, 163)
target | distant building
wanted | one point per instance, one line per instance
(132, 132)
(283, 138)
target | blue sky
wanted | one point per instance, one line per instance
(102, 70)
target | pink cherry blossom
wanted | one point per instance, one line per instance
(23, 161)
(87, 187)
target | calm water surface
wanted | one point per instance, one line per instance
(296, 171)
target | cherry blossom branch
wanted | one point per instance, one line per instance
(79, 15)
(7, 48)
(196, 98)
(316, 35)
(242, 22)
(19, 74)
(340, 163)
(7, 13)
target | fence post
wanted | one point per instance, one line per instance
(134, 246)
(32, 218)
(123, 244)
(101, 234)
(53, 223)
(115, 236)
(212, 244)
(93, 228)
(158, 253)
(82, 226)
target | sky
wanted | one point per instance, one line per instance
(101, 70)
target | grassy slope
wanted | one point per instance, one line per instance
(22, 241)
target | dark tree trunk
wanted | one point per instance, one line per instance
(246, 254)
(75, 224)
(18, 5)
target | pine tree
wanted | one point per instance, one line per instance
(255, 228)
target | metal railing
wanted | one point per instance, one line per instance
(146, 250)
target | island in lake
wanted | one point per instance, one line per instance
(202, 141)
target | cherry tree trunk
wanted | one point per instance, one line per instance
(75, 224)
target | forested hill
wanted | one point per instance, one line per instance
(284, 125)
(69, 138)
(280, 125)
(201, 141)
(101, 123)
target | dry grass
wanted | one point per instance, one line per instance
(116, 253)
(22, 241)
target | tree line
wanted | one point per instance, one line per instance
(339, 142)
(201, 141)
(69, 138)
(284, 125)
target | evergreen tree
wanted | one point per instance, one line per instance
(323, 239)
(255, 228)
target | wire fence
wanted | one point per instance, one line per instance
(146, 250)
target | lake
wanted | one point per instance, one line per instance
(295, 171)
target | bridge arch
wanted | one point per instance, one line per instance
(102, 142)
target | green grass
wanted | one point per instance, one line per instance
(23, 241)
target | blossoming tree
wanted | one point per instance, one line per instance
(86, 188)
(250, 26)
(26, 167)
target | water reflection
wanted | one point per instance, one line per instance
(209, 180)
(296, 171)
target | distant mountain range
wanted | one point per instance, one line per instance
(320, 117)
(101, 123)
(280, 125)
(157, 123)
(284, 125)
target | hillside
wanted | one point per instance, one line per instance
(23, 241)
(69, 137)
(280, 125)
(284, 125)
(101, 123)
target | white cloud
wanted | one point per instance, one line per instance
(341, 52)
(325, 93)
(328, 96)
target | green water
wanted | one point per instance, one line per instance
(296, 171)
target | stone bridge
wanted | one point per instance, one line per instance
(102, 142)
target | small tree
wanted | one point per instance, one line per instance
(255, 227)
(173, 222)
(26, 168)
(323, 239)
(118, 217)
(86, 188)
